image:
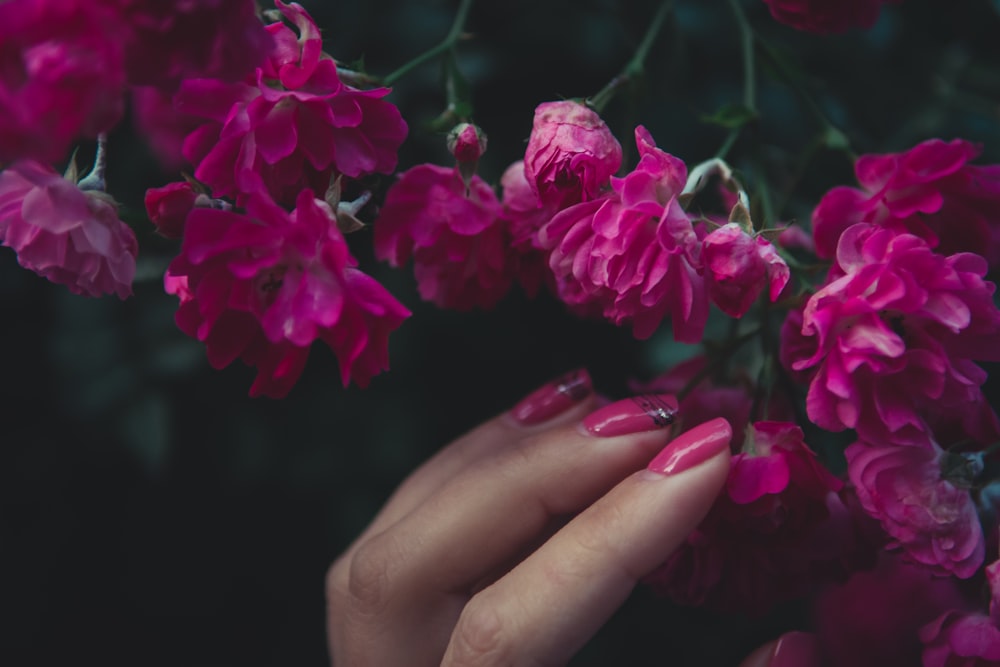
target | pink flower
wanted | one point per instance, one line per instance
(265, 284)
(961, 639)
(873, 619)
(170, 40)
(571, 153)
(458, 241)
(739, 266)
(65, 234)
(291, 125)
(891, 338)
(61, 76)
(933, 521)
(168, 207)
(525, 214)
(823, 16)
(930, 191)
(777, 530)
(466, 142)
(162, 126)
(633, 253)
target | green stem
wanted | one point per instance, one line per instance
(635, 66)
(727, 350)
(749, 80)
(457, 27)
(746, 41)
(833, 137)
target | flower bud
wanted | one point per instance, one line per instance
(571, 153)
(467, 142)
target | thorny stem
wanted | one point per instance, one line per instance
(457, 28)
(635, 66)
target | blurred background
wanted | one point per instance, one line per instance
(152, 514)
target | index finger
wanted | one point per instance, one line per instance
(547, 607)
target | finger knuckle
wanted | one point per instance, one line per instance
(368, 580)
(480, 638)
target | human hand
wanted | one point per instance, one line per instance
(515, 543)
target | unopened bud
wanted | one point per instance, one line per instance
(467, 142)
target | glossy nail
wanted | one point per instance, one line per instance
(796, 649)
(692, 447)
(553, 398)
(647, 412)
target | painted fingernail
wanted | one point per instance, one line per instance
(796, 649)
(553, 398)
(692, 447)
(647, 412)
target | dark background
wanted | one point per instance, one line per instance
(152, 514)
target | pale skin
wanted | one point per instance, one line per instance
(513, 545)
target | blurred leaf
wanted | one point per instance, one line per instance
(730, 116)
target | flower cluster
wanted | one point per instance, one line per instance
(874, 322)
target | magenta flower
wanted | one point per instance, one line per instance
(291, 125)
(891, 338)
(932, 520)
(571, 153)
(70, 236)
(61, 76)
(930, 191)
(525, 214)
(823, 16)
(263, 285)
(170, 40)
(633, 253)
(777, 530)
(739, 266)
(961, 639)
(168, 207)
(458, 242)
(873, 619)
(163, 127)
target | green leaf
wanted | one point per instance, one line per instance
(731, 116)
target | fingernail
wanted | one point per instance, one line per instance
(553, 398)
(796, 649)
(647, 412)
(693, 447)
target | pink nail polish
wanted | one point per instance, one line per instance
(553, 398)
(692, 447)
(647, 412)
(796, 649)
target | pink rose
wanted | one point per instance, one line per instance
(61, 76)
(571, 153)
(890, 341)
(65, 234)
(264, 284)
(292, 124)
(930, 518)
(873, 619)
(162, 126)
(776, 531)
(525, 214)
(930, 191)
(457, 239)
(738, 268)
(961, 639)
(168, 207)
(170, 40)
(823, 16)
(633, 253)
